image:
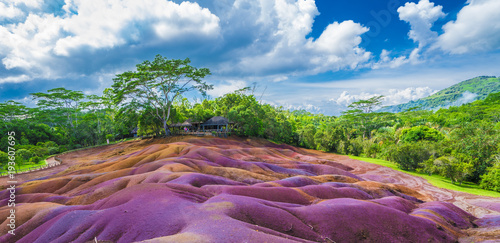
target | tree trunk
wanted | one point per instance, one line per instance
(166, 128)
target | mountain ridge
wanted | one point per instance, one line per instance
(467, 91)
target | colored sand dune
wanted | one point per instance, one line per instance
(219, 190)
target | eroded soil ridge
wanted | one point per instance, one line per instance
(222, 190)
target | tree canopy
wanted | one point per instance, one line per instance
(156, 84)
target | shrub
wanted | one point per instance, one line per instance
(371, 149)
(53, 150)
(63, 148)
(40, 151)
(35, 159)
(355, 146)
(420, 133)
(491, 180)
(24, 154)
(4, 158)
(409, 156)
(111, 137)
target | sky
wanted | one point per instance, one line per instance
(300, 54)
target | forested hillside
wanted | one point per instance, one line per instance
(464, 92)
(461, 143)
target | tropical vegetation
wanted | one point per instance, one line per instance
(459, 143)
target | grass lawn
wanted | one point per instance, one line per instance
(26, 166)
(435, 180)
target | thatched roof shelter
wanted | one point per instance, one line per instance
(186, 123)
(215, 121)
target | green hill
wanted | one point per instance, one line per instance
(464, 92)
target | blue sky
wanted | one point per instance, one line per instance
(302, 54)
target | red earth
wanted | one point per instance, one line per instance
(189, 189)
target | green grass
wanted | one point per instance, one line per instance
(26, 166)
(435, 180)
(44, 162)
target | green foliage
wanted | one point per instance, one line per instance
(24, 154)
(464, 139)
(4, 158)
(455, 167)
(491, 180)
(420, 133)
(156, 85)
(35, 159)
(480, 86)
(410, 156)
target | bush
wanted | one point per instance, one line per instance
(53, 150)
(4, 158)
(491, 180)
(35, 159)
(24, 154)
(63, 148)
(343, 147)
(40, 151)
(356, 146)
(409, 156)
(371, 149)
(420, 133)
(110, 137)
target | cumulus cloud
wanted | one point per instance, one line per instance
(286, 47)
(226, 87)
(9, 11)
(421, 17)
(386, 61)
(476, 29)
(236, 37)
(45, 45)
(399, 96)
(391, 97)
(346, 99)
(304, 106)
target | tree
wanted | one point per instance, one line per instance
(362, 116)
(420, 133)
(455, 167)
(491, 180)
(158, 83)
(367, 106)
(12, 110)
(62, 101)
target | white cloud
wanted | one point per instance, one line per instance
(399, 96)
(346, 99)
(476, 29)
(15, 79)
(391, 96)
(280, 78)
(44, 45)
(284, 29)
(385, 61)
(28, 3)
(105, 24)
(226, 87)
(421, 17)
(9, 11)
